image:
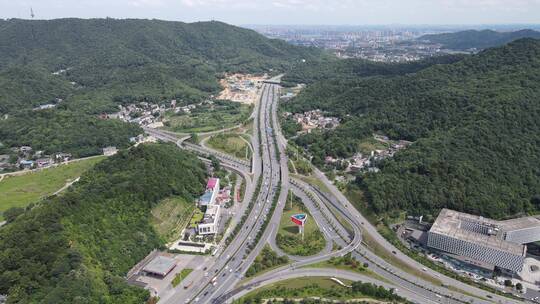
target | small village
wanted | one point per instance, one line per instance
(25, 158)
(367, 162)
(143, 113)
(314, 119)
(237, 88)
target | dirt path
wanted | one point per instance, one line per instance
(67, 185)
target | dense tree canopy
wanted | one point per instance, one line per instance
(87, 67)
(474, 123)
(327, 70)
(66, 131)
(478, 39)
(75, 248)
(136, 57)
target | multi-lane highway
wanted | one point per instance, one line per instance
(226, 269)
(217, 281)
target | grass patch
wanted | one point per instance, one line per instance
(390, 258)
(339, 264)
(242, 191)
(312, 180)
(179, 277)
(196, 218)
(170, 216)
(266, 261)
(303, 166)
(232, 144)
(300, 288)
(346, 262)
(288, 238)
(371, 144)
(356, 197)
(209, 117)
(345, 223)
(21, 190)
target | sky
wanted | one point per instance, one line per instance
(306, 12)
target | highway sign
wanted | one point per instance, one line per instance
(299, 219)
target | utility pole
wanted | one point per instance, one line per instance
(32, 24)
(290, 199)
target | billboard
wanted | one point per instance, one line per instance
(299, 219)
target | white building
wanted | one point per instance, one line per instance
(484, 241)
(210, 222)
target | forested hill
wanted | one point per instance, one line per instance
(478, 39)
(310, 72)
(474, 123)
(63, 43)
(135, 57)
(76, 248)
(94, 65)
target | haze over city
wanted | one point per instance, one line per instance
(288, 11)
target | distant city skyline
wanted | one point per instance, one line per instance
(289, 12)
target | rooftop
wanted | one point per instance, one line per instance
(212, 182)
(211, 214)
(520, 223)
(160, 265)
(206, 197)
(474, 229)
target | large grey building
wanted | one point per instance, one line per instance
(497, 243)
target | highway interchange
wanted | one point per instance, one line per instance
(220, 281)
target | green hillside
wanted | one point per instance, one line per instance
(141, 58)
(22, 190)
(94, 65)
(328, 70)
(77, 247)
(474, 123)
(478, 39)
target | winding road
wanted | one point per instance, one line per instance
(266, 193)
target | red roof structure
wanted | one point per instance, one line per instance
(212, 182)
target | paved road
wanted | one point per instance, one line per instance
(182, 143)
(390, 272)
(317, 216)
(271, 167)
(270, 278)
(241, 252)
(345, 206)
(274, 163)
(270, 103)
